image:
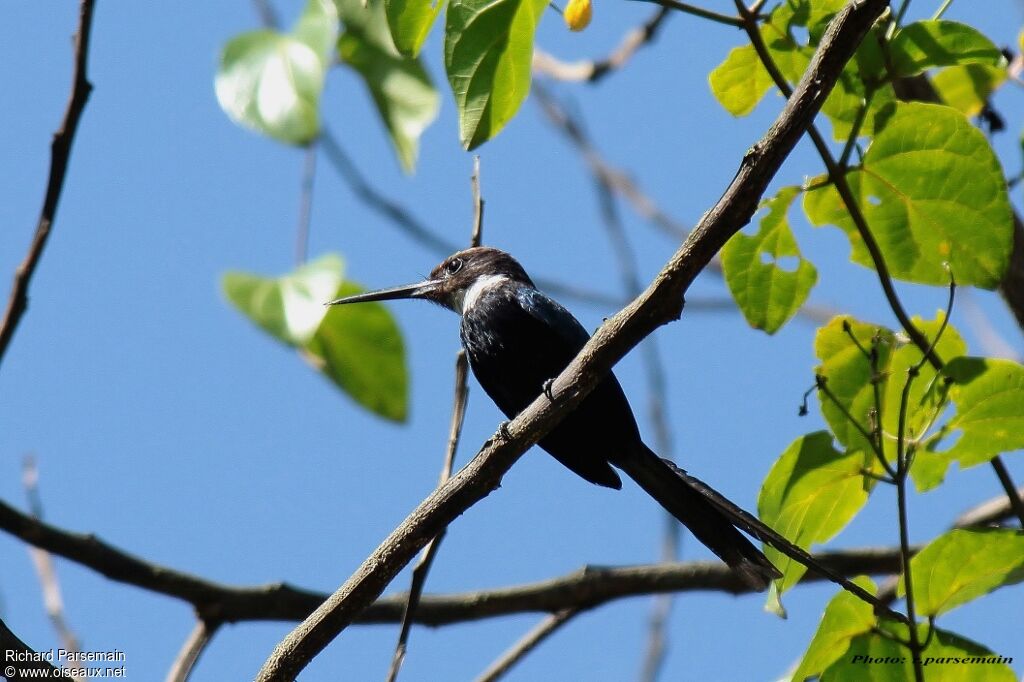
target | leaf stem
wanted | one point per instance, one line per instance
(858, 123)
(822, 385)
(710, 15)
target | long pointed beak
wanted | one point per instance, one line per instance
(425, 289)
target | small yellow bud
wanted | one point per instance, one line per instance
(577, 14)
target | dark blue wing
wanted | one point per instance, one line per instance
(517, 338)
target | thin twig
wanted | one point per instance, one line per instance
(195, 644)
(687, 8)
(547, 627)
(43, 562)
(461, 396)
(476, 234)
(594, 70)
(60, 155)
(1015, 496)
(660, 304)
(904, 457)
(305, 204)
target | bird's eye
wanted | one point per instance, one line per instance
(453, 266)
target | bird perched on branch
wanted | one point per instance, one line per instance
(518, 340)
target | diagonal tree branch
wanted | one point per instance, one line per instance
(659, 304)
(60, 155)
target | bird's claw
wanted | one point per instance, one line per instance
(503, 432)
(546, 387)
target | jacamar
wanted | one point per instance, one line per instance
(517, 340)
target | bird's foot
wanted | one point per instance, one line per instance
(546, 387)
(503, 431)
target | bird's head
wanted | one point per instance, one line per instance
(456, 282)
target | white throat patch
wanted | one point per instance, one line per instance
(467, 298)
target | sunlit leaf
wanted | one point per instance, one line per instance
(289, 308)
(989, 397)
(766, 291)
(967, 88)
(362, 352)
(410, 22)
(965, 564)
(849, 375)
(739, 82)
(932, 193)
(928, 393)
(922, 45)
(810, 494)
(845, 617)
(271, 82)
(358, 347)
(488, 50)
(400, 87)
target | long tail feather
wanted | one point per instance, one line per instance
(699, 508)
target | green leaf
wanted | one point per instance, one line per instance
(925, 44)
(271, 82)
(845, 617)
(809, 495)
(362, 352)
(767, 293)
(289, 308)
(965, 564)
(932, 193)
(488, 49)
(928, 394)
(989, 397)
(929, 468)
(410, 22)
(400, 87)
(740, 82)
(318, 28)
(849, 375)
(359, 348)
(947, 658)
(967, 88)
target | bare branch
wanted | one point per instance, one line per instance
(594, 70)
(544, 629)
(43, 562)
(195, 644)
(60, 155)
(660, 303)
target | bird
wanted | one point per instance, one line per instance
(518, 340)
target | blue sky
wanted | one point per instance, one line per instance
(167, 424)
